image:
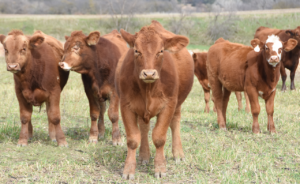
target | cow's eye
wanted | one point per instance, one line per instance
(267, 48)
(24, 49)
(75, 48)
(136, 51)
(162, 51)
(6, 51)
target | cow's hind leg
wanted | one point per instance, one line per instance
(144, 155)
(226, 95)
(217, 92)
(113, 114)
(239, 100)
(283, 77)
(176, 140)
(206, 98)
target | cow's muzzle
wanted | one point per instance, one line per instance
(64, 66)
(13, 67)
(274, 60)
(149, 76)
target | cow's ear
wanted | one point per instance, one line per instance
(66, 38)
(290, 44)
(290, 32)
(195, 57)
(2, 37)
(176, 43)
(129, 38)
(36, 40)
(93, 38)
(257, 44)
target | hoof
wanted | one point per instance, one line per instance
(54, 140)
(178, 160)
(128, 176)
(160, 175)
(144, 162)
(21, 145)
(63, 144)
(117, 143)
(93, 140)
(101, 135)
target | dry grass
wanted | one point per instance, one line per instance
(212, 156)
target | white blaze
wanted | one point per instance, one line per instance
(276, 45)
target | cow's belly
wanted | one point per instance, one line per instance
(36, 97)
(232, 78)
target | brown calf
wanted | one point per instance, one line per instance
(290, 60)
(235, 67)
(38, 79)
(154, 79)
(201, 73)
(96, 58)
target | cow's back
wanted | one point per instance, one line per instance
(228, 62)
(116, 38)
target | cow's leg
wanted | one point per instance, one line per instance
(217, 92)
(213, 100)
(133, 136)
(113, 114)
(159, 136)
(25, 116)
(283, 77)
(176, 140)
(292, 76)
(270, 111)
(226, 95)
(206, 98)
(239, 100)
(51, 129)
(30, 130)
(144, 155)
(53, 112)
(255, 108)
(101, 126)
(247, 108)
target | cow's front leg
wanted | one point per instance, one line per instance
(113, 114)
(255, 108)
(283, 76)
(53, 112)
(159, 136)
(176, 140)
(144, 155)
(26, 126)
(270, 111)
(133, 137)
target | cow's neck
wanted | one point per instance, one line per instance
(25, 76)
(269, 74)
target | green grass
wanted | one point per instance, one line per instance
(199, 47)
(212, 156)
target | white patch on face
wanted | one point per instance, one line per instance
(257, 49)
(260, 93)
(276, 46)
(191, 52)
(66, 66)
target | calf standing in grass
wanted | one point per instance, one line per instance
(290, 60)
(201, 73)
(235, 67)
(96, 58)
(153, 79)
(33, 60)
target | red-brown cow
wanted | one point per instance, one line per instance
(290, 60)
(154, 79)
(201, 73)
(38, 79)
(96, 58)
(235, 67)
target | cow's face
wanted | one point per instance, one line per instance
(273, 48)
(17, 48)
(78, 51)
(294, 33)
(149, 48)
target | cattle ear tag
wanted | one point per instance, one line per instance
(257, 49)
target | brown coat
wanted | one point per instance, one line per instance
(290, 60)
(96, 59)
(152, 82)
(201, 73)
(235, 67)
(38, 79)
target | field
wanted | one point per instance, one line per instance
(211, 155)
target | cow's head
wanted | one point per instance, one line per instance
(273, 48)
(79, 51)
(294, 33)
(149, 48)
(17, 48)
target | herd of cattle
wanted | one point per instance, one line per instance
(151, 78)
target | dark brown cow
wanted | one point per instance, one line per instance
(201, 73)
(38, 79)
(96, 59)
(290, 60)
(153, 82)
(235, 67)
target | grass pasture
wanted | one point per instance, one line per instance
(211, 155)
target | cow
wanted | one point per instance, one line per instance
(236, 67)
(290, 60)
(201, 74)
(96, 58)
(33, 60)
(153, 79)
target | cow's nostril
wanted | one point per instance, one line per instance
(153, 74)
(145, 74)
